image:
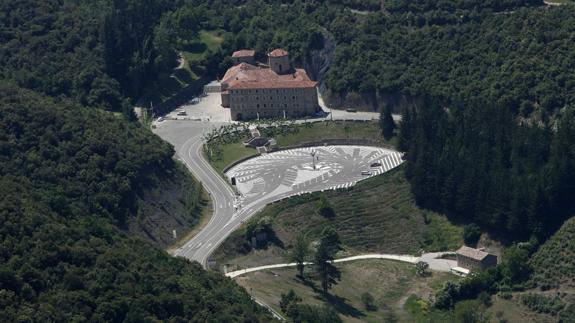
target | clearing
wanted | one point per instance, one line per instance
(389, 282)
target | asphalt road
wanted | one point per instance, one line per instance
(338, 167)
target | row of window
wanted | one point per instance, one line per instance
(242, 98)
(241, 106)
(268, 91)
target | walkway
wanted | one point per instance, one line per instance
(435, 263)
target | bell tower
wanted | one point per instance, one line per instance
(279, 61)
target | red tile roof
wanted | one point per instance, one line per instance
(278, 53)
(247, 76)
(244, 53)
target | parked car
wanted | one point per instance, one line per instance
(182, 113)
(366, 172)
(160, 119)
(351, 110)
(376, 164)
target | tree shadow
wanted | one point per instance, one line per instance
(340, 304)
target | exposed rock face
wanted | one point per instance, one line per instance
(369, 101)
(318, 64)
(319, 61)
(167, 207)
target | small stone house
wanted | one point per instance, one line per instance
(471, 258)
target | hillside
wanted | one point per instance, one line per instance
(375, 216)
(554, 263)
(71, 179)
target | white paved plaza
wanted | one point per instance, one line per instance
(296, 171)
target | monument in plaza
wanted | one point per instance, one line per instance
(251, 91)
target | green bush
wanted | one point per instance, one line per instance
(368, 302)
(471, 234)
(543, 304)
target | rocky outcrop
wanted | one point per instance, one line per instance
(317, 65)
(319, 60)
(369, 101)
(174, 203)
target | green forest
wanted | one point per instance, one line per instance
(75, 167)
(70, 179)
(491, 140)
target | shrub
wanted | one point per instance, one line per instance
(324, 208)
(471, 234)
(289, 299)
(368, 302)
(543, 304)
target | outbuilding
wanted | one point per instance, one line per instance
(471, 258)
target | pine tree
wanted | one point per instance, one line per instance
(328, 246)
(386, 123)
(405, 130)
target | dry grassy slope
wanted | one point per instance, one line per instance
(378, 215)
(554, 262)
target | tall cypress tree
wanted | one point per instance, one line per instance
(386, 123)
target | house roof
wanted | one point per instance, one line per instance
(247, 76)
(278, 53)
(244, 53)
(472, 253)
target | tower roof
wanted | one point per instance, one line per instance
(278, 53)
(244, 53)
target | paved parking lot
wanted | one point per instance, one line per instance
(302, 170)
(208, 108)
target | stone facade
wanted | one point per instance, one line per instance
(279, 62)
(271, 103)
(280, 91)
(470, 258)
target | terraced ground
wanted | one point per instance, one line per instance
(378, 215)
(554, 263)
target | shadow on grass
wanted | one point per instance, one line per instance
(340, 304)
(337, 302)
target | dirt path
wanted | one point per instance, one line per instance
(435, 263)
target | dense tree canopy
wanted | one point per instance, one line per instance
(69, 180)
(480, 165)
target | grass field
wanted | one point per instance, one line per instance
(378, 215)
(316, 131)
(389, 282)
(334, 130)
(193, 54)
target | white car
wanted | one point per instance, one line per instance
(366, 172)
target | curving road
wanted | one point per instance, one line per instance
(264, 179)
(432, 259)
